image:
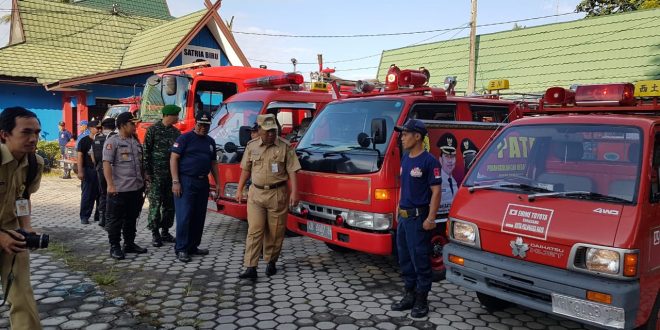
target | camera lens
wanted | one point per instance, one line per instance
(45, 239)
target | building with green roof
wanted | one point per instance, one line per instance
(614, 48)
(70, 61)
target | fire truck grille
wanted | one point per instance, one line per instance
(324, 213)
(519, 290)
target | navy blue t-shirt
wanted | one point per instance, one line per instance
(418, 174)
(197, 153)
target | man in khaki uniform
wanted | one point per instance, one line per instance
(19, 132)
(270, 162)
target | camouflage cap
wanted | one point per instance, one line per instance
(171, 109)
(267, 122)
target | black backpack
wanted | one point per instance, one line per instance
(31, 174)
(97, 148)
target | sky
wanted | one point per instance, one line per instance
(350, 17)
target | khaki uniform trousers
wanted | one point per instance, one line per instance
(266, 211)
(23, 314)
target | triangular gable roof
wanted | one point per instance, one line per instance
(66, 45)
(613, 48)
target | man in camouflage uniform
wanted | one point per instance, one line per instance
(157, 148)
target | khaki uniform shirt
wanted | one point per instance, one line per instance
(125, 156)
(12, 183)
(269, 164)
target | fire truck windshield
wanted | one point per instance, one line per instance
(116, 110)
(331, 142)
(227, 122)
(595, 162)
(154, 99)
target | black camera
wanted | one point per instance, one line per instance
(34, 241)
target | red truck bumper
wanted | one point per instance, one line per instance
(232, 209)
(373, 243)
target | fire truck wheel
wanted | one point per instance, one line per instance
(652, 323)
(289, 233)
(491, 303)
(338, 248)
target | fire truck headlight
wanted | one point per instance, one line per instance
(603, 261)
(230, 190)
(367, 220)
(464, 232)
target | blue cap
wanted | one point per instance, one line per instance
(412, 125)
(83, 122)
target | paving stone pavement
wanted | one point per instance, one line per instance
(315, 288)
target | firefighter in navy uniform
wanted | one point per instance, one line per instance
(122, 167)
(420, 198)
(107, 130)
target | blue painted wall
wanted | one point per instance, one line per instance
(204, 39)
(111, 91)
(47, 105)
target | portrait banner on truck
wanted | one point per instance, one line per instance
(527, 221)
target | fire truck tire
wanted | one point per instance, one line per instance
(652, 323)
(491, 303)
(338, 248)
(289, 233)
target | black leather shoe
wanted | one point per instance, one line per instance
(116, 252)
(200, 252)
(183, 256)
(84, 221)
(134, 248)
(271, 269)
(102, 223)
(250, 272)
(406, 302)
(421, 307)
(156, 240)
(166, 236)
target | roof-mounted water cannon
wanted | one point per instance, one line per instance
(363, 86)
(605, 94)
(450, 85)
(289, 80)
(559, 96)
(397, 78)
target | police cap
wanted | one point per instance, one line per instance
(468, 147)
(447, 144)
(267, 122)
(94, 123)
(203, 117)
(124, 118)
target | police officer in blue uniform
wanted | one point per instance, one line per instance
(193, 157)
(420, 199)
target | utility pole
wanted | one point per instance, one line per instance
(473, 51)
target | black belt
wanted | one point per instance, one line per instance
(270, 186)
(414, 212)
(198, 176)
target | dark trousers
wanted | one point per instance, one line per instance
(190, 211)
(414, 248)
(90, 194)
(103, 193)
(123, 210)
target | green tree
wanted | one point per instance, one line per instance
(607, 7)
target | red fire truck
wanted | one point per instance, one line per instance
(194, 87)
(280, 95)
(350, 158)
(561, 212)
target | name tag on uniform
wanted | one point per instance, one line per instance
(22, 207)
(274, 167)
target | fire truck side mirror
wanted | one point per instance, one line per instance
(153, 80)
(169, 84)
(244, 135)
(378, 130)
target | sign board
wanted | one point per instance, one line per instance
(527, 221)
(191, 54)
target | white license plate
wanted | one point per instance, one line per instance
(589, 311)
(319, 229)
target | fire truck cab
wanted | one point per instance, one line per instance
(193, 87)
(281, 95)
(350, 158)
(561, 211)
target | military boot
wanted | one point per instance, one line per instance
(406, 302)
(156, 240)
(166, 236)
(421, 306)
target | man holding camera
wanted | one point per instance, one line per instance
(20, 176)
